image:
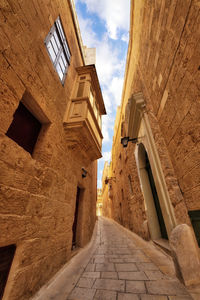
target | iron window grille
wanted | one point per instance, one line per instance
(58, 49)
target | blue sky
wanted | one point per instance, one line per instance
(104, 25)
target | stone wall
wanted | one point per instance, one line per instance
(38, 191)
(162, 63)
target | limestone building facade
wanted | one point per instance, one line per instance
(99, 203)
(50, 139)
(155, 177)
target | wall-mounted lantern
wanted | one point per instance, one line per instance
(84, 173)
(109, 178)
(134, 111)
(125, 140)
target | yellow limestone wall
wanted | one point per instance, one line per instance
(163, 64)
(38, 192)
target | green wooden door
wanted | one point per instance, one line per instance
(195, 220)
(156, 199)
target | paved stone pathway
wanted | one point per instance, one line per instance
(122, 269)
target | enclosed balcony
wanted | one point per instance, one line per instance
(83, 117)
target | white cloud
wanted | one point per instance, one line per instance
(114, 13)
(87, 34)
(108, 124)
(109, 62)
(125, 37)
(116, 89)
(106, 155)
(99, 183)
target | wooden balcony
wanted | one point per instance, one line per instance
(82, 121)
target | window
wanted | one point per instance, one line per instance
(95, 109)
(24, 129)
(100, 121)
(91, 97)
(58, 49)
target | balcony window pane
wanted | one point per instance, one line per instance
(59, 70)
(91, 98)
(57, 40)
(95, 109)
(100, 121)
(53, 41)
(58, 49)
(51, 51)
(80, 89)
(59, 26)
(61, 64)
(64, 59)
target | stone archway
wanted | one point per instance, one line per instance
(152, 204)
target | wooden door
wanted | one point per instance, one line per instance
(156, 199)
(6, 258)
(74, 227)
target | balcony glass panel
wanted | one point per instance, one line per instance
(80, 89)
(91, 98)
(100, 121)
(95, 110)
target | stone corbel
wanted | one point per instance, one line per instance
(133, 114)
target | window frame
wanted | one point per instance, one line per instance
(57, 34)
(24, 118)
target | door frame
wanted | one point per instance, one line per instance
(79, 219)
(166, 207)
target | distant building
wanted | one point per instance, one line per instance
(50, 138)
(99, 202)
(156, 187)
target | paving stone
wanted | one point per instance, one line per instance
(147, 267)
(116, 260)
(103, 252)
(98, 256)
(132, 275)
(90, 268)
(154, 275)
(153, 297)
(181, 298)
(85, 282)
(100, 260)
(122, 251)
(122, 296)
(105, 295)
(135, 255)
(136, 287)
(131, 279)
(91, 274)
(109, 267)
(110, 284)
(166, 287)
(117, 247)
(82, 294)
(126, 267)
(111, 275)
(112, 256)
(136, 259)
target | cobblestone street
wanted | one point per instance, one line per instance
(120, 266)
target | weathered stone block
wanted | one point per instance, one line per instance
(186, 254)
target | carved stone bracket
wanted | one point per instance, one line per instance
(133, 115)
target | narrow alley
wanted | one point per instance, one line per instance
(99, 150)
(118, 266)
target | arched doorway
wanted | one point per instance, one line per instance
(153, 209)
